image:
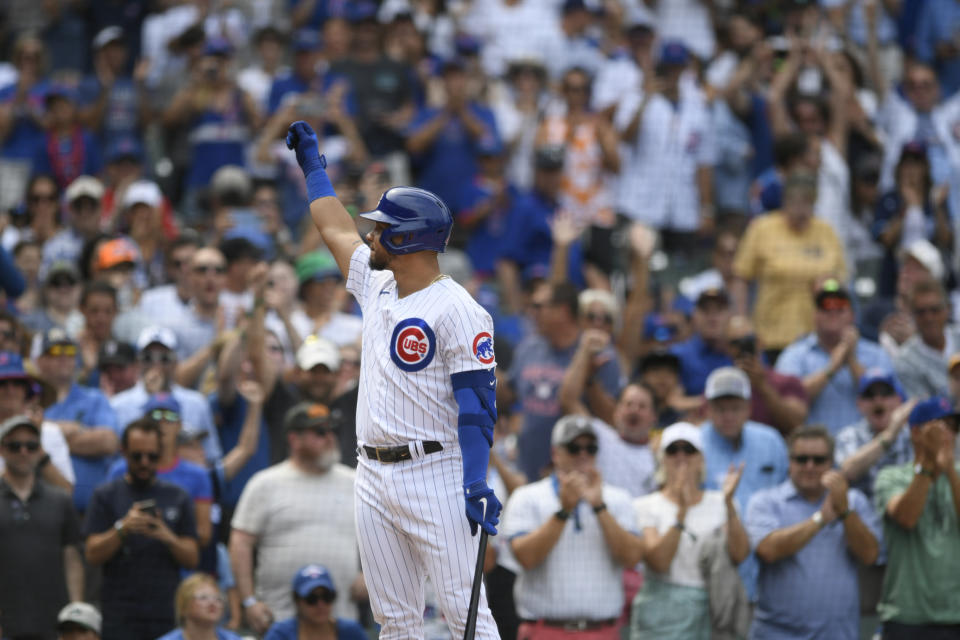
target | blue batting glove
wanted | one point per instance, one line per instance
(483, 508)
(302, 138)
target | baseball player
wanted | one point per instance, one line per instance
(426, 405)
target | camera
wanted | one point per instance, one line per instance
(745, 345)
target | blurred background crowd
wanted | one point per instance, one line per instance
(718, 239)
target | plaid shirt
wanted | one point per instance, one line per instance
(858, 434)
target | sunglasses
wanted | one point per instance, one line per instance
(575, 449)
(62, 350)
(204, 269)
(61, 283)
(42, 197)
(8, 335)
(883, 392)
(141, 456)
(923, 311)
(165, 414)
(17, 446)
(157, 357)
(676, 447)
(802, 460)
(317, 596)
(599, 317)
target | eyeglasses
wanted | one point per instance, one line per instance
(318, 595)
(574, 449)
(157, 357)
(165, 414)
(605, 318)
(41, 197)
(62, 350)
(8, 335)
(802, 460)
(676, 447)
(922, 311)
(16, 446)
(204, 269)
(61, 283)
(141, 456)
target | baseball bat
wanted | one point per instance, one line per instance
(475, 593)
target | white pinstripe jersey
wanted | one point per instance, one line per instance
(411, 346)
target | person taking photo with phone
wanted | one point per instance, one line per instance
(138, 526)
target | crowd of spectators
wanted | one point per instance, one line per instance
(718, 239)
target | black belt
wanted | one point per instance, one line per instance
(400, 452)
(581, 624)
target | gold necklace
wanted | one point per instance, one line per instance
(438, 278)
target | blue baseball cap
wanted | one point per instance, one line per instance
(124, 147)
(880, 376)
(656, 328)
(673, 52)
(61, 90)
(163, 401)
(934, 408)
(11, 368)
(217, 47)
(307, 40)
(311, 577)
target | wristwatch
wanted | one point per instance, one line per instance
(920, 470)
(562, 514)
(118, 526)
(817, 518)
(843, 516)
(600, 507)
(249, 601)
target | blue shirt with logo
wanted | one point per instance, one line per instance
(229, 421)
(91, 408)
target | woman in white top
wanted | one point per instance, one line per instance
(675, 522)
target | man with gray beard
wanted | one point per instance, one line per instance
(297, 512)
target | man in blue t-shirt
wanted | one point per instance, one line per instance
(705, 350)
(83, 414)
(443, 141)
(111, 101)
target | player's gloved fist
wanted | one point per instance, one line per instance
(302, 139)
(483, 508)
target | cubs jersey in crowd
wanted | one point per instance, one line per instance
(411, 347)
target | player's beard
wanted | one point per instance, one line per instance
(378, 262)
(327, 459)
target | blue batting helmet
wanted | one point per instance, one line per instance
(420, 219)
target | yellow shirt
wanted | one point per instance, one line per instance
(786, 266)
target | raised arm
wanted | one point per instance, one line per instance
(335, 224)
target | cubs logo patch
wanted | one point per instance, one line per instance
(483, 347)
(412, 345)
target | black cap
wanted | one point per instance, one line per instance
(713, 293)
(831, 289)
(307, 415)
(114, 352)
(659, 360)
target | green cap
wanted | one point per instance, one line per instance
(317, 265)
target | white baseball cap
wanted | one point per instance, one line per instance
(681, 431)
(316, 350)
(727, 381)
(142, 192)
(926, 254)
(84, 186)
(82, 614)
(158, 335)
